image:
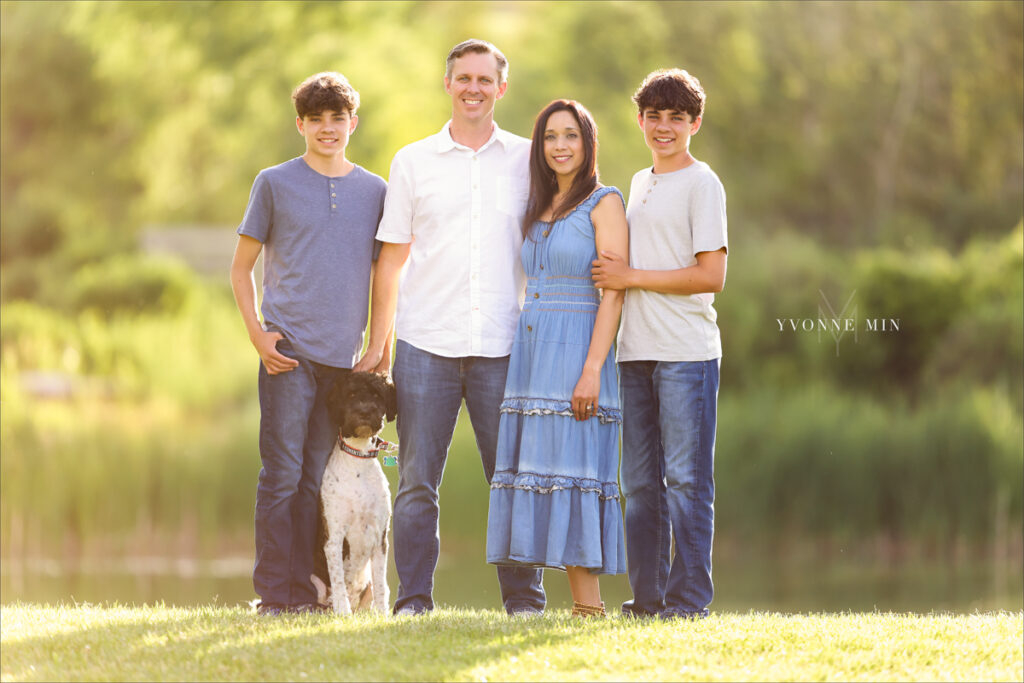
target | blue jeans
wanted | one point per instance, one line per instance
(430, 392)
(669, 412)
(296, 438)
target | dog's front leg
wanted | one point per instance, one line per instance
(334, 550)
(379, 569)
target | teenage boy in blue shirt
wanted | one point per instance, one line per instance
(669, 353)
(315, 216)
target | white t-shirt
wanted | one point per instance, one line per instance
(462, 289)
(672, 217)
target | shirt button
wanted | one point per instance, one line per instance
(334, 194)
(546, 232)
(334, 206)
(529, 328)
(332, 186)
(655, 182)
(536, 295)
(542, 266)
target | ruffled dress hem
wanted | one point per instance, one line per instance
(556, 514)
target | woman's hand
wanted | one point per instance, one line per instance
(584, 396)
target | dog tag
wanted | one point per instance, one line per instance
(390, 460)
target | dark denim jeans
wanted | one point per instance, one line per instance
(296, 438)
(669, 412)
(430, 393)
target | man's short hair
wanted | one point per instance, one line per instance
(671, 89)
(327, 90)
(482, 47)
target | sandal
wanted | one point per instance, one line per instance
(585, 611)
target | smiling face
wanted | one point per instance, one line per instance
(563, 144)
(667, 133)
(326, 132)
(474, 85)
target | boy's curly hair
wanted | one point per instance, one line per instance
(671, 89)
(327, 90)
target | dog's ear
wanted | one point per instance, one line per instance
(390, 397)
(336, 399)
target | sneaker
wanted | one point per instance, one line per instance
(270, 609)
(526, 613)
(669, 615)
(310, 608)
(629, 609)
(410, 611)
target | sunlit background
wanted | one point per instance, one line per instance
(872, 158)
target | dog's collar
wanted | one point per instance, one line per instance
(379, 445)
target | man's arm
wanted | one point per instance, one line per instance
(385, 300)
(243, 284)
(707, 275)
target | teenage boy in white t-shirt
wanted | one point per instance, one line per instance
(669, 353)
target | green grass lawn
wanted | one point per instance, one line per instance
(43, 643)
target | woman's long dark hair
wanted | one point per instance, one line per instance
(543, 184)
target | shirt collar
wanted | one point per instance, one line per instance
(445, 143)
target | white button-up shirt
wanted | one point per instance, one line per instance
(462, 289)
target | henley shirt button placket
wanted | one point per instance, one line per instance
(334, 196)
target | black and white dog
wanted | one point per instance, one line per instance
(350, 565)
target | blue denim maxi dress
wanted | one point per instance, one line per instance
(554, 499)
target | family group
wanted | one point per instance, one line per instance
(507, 276)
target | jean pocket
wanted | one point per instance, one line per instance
(285, 348)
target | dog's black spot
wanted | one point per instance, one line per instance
(344, 549)
(384, 541)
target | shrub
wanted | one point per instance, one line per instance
(127, 283)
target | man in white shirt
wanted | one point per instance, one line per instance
(453, 213)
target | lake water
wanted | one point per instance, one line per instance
(742, 584)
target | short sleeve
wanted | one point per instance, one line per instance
(707, 216)
(396, 219)
(590, 203)
(257, 221)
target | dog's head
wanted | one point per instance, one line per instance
(360, 402)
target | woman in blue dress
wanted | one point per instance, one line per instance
(554, 498)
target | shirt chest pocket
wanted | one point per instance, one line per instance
(510, 195)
